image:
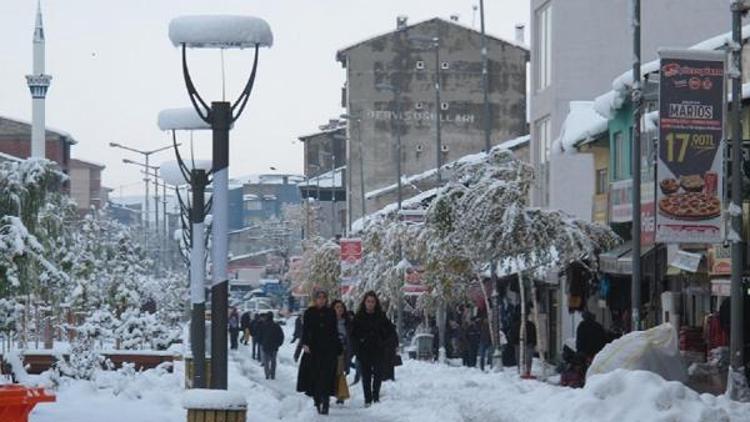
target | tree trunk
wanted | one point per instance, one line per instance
(538, 330)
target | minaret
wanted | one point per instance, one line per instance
(38, 84)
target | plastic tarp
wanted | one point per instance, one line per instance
(653, 350)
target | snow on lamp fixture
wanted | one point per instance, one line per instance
(181, 119)
(171, 173)
(220, 31)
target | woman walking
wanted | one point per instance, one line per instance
(344, 328)
(372, 338)
(321, 348)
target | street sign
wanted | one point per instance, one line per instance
(690, 161)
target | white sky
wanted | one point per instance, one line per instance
(114, 69)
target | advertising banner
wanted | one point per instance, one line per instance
(690, 157)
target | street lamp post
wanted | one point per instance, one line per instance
(396, 90)
(219, 32)
(485, 81)
(147, 155)
(195, 173)
(152, 171)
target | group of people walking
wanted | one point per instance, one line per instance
(263, 332)
(331, 336)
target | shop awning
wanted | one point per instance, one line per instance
(620, 259)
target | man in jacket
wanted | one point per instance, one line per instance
(255, 332)
(590, 337)
(273, 338)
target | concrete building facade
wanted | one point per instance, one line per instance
(579, 46)
(398, 71)
(86, 185)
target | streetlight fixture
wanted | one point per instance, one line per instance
(220, 32)
(147, 155)
(195, 174)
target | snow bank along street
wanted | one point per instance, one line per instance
(423, 392)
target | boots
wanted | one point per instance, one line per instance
(324, 406)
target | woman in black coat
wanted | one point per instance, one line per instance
(321, 348)
(374, 341)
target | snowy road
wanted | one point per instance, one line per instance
(423, 392)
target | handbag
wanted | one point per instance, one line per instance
(342, 388)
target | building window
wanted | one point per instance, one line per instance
(420, 64)
(419, 105)
(444, 66)
(601, 181)
(622, 157)
(253, 206)
(444, 106)
(543, 46)
(543, 129)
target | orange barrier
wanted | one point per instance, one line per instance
(16, 402)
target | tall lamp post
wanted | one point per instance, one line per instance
(194, 173)
(147, 155)
(220, 32)
(485, 81)
(152, 171)
(396, 90)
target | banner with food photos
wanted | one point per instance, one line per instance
(690, 165)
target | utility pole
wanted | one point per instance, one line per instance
(485, 82)
(637, 100)
(438, 111)
(737, 383)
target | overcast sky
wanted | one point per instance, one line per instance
(114, 69)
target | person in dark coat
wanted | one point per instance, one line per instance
(321, 348)
(472, 336)
(485, 343)
(255, 333)
(515, 339)
(245, 321)
(273, 338)
(590, 337)
(373, 338)
(234, 327)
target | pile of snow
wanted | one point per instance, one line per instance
(582, 124)
(654, 350)
(200, 398)
(220, 31)
(186, 118)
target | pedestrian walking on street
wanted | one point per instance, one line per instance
(273, 338)
(344, 328)
(485, 344)
(372, 338)
(321, 348)
(255, 336)
(234, 327)
(472, 335)
(245, 322)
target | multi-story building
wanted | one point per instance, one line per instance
(254, 199)
(390, 89)
(579, 46)
(15, 140)
(86, 185)
(325, 179)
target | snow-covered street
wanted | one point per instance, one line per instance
(423, 392)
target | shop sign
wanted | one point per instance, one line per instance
(690, 165)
